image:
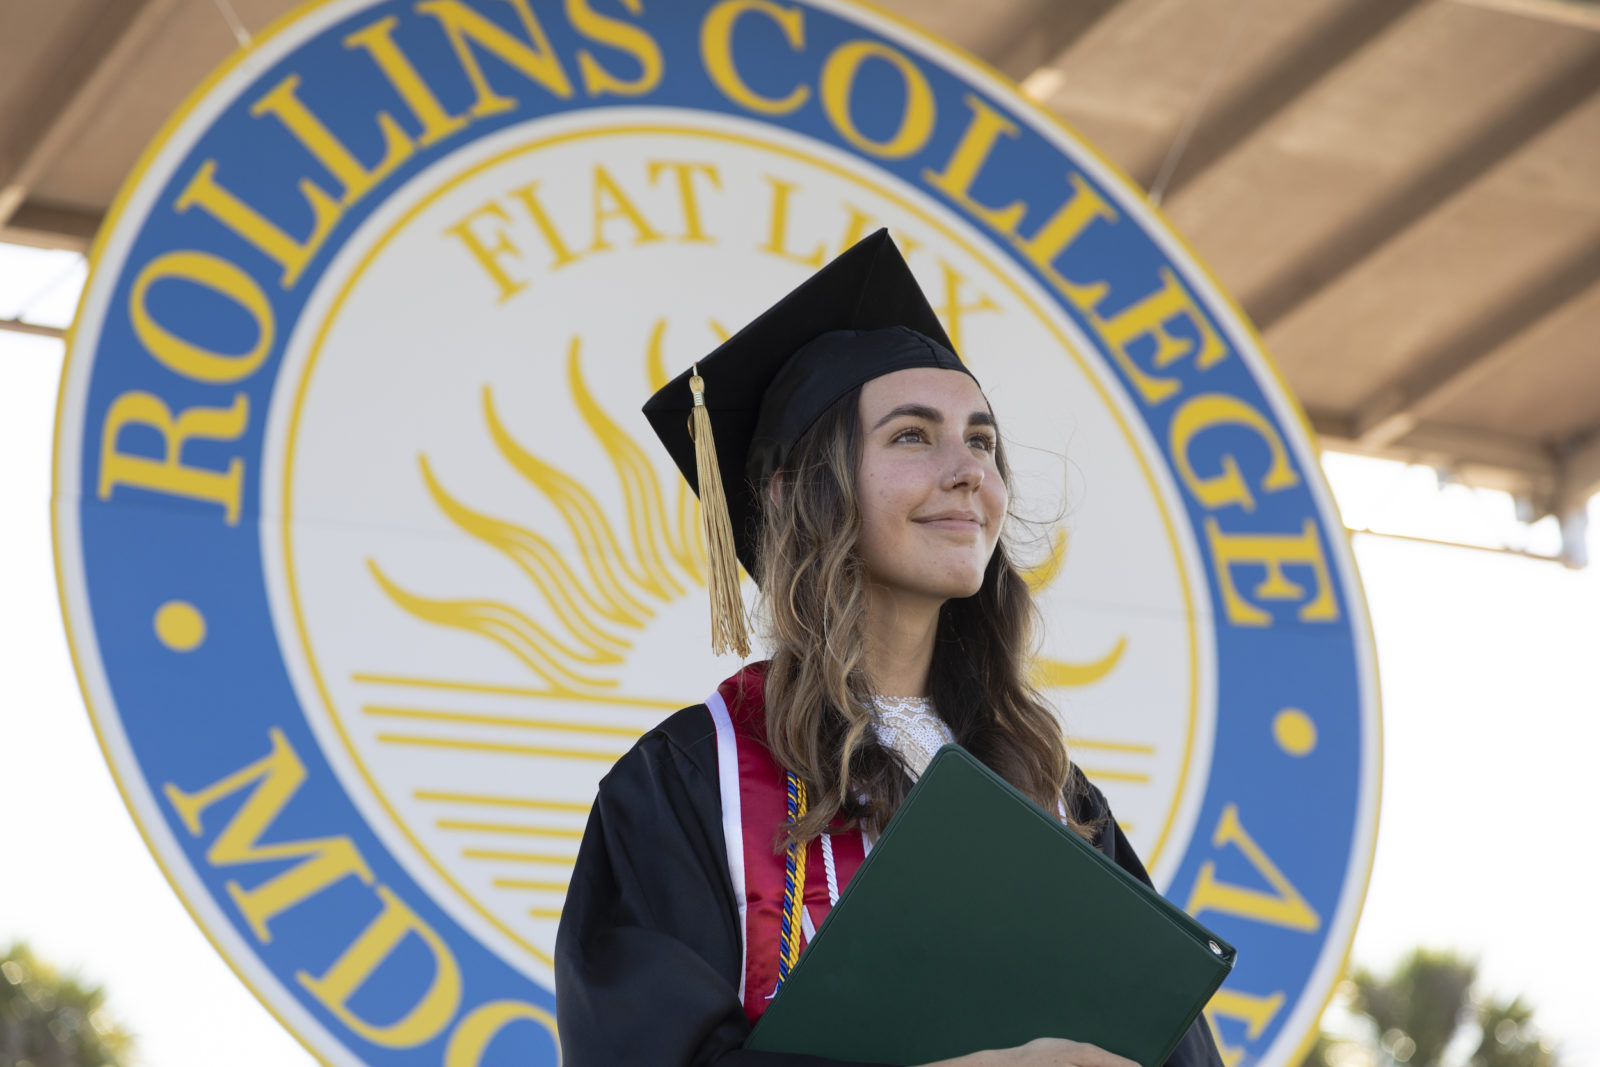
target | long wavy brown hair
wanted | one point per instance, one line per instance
(818, 698)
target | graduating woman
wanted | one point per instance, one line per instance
(864, 487)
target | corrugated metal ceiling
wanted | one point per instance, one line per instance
(1403, 194)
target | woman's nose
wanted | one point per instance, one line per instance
(965, 471)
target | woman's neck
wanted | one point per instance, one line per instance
(900, 637)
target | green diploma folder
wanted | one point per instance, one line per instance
(978, 921)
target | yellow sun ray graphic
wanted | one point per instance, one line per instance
(627, 568)
(585, 613)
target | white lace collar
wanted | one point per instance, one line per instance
(910, 727)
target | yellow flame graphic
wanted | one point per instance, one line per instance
(622, 580)
(627, 571)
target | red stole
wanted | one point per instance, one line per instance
(755, 808)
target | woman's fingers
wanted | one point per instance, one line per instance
(1042, 1052)
(1059, 1052)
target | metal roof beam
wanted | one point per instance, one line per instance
(1541, 481)
(1580, 480)
(39, 224)
(79, 80)
(1525, 469)
(1566, 12)
(1580, 471)
(1459, 359)
(1389, 217)
(1049, 30)
(32, 328)
(1252, 105)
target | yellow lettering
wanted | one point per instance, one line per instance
(610, 202)
(1201, 413)
(168, 474)
(265, 235)
(972, 152)
(471, 1037)
(357, 964)
(533, 59)
(1284, 906)
(953, 311)
(1272, 551)
(1255, 1012)
(693, 232)
(1149, 318)
(488, 255)
(778, 235)
(529, 196)
(839, 81)
(378, 41)
(1069, 222)
(282, 104)
(184, 357)
(716, 51)
(273, 782)
(622, 36)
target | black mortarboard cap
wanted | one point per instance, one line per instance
(858, 318)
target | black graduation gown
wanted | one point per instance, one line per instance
(648, 956)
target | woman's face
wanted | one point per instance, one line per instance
(932, 499)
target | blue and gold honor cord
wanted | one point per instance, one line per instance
(794, 884)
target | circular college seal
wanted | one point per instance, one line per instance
(371, 569)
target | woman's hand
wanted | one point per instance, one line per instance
(1041, 1052)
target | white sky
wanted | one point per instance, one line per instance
(1491, 691)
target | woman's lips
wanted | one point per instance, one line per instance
(960, 523)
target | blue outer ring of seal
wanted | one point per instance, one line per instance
(137, 549)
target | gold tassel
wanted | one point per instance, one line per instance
(728, 628)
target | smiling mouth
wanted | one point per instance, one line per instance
(952, 522)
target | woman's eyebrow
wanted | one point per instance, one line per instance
(922, 411)
(919, 411)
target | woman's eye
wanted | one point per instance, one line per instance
(911, 434)
(981, 441)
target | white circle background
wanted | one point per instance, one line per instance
(391, 361)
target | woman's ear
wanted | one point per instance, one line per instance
(775, 488)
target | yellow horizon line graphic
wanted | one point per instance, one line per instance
(529, 830)
(389, 711)
(498, 748)
(538, 803)
(1135, 777)
(633, 703)
(531, 884)
(1111, 746)
(518, 857)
